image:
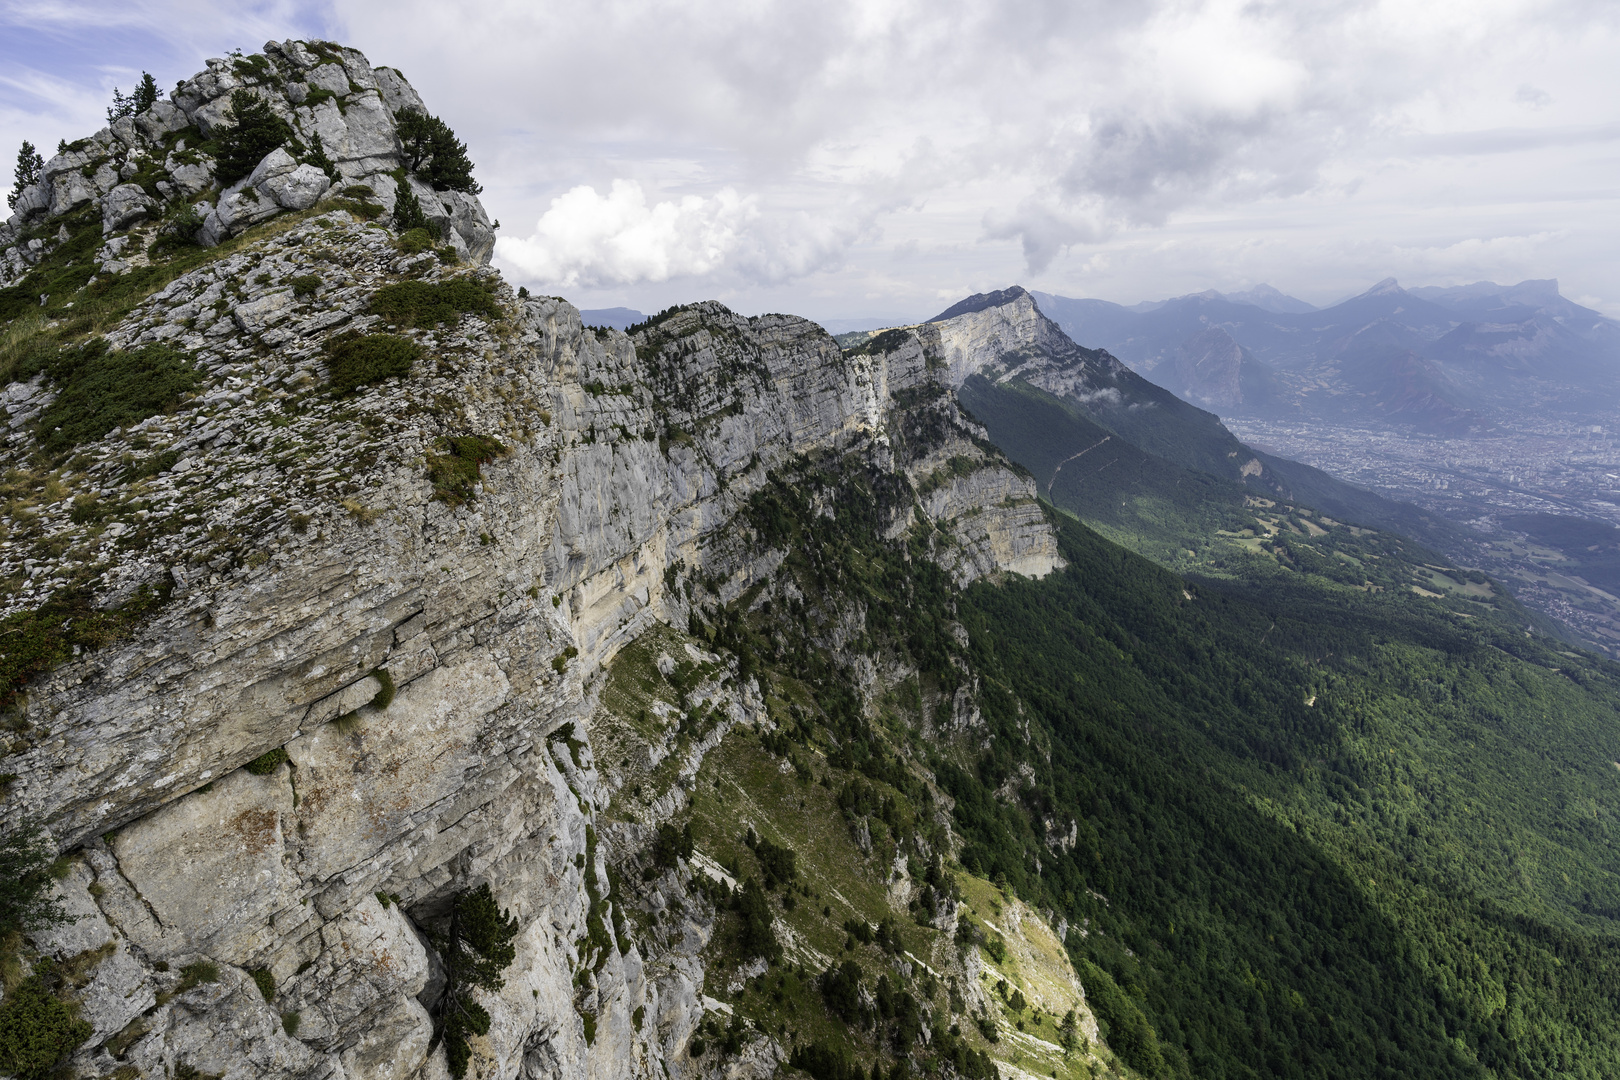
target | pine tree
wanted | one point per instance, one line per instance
(29, 167)
(476, 949)
(257, 131)
(146, 94)
(317, 157)
(123, 105)
(433, 152)
(408, 213)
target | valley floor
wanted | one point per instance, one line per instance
(1499, 487)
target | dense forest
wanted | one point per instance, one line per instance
(1316, 836)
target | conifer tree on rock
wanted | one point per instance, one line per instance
(29, 166)
(476, 949)
(433, 152)
(257, 131)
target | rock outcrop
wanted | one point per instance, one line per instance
(161, 161)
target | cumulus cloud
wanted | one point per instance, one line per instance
(619, 239)
(590, 239)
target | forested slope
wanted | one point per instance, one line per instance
(1316, 836)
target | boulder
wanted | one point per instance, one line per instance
(299, 189)
(276, 163)
(210, 866)
(370, 143)
(106, 178)
(70, 189)
(397, 94)
(158, 121)
(239, 207)
(123, 130)
(471, 223)
(330, 77)
(191, 179)
(124, 206)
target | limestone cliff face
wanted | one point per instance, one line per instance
(416, 652)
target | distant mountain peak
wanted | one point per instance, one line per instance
(980, 302)
(1270, 299)
(1388, 287)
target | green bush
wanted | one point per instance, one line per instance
(356, 360)
(415, 241)
(27, 867)
(257, 131)
(455, 471)
(267, 762)
(756, 936)
(304, 285)
(671, 844)
(37, 1030)
(193, 975)
(39, 640)
(266, 983)
(408, 215)
(423, 304)
(317, 157)
(102, 389)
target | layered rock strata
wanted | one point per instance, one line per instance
(310, 566)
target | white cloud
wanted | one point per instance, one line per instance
(586, 238)
(590, 239)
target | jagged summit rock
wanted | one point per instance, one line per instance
(342, 115)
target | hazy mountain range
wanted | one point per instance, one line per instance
(1442, 360)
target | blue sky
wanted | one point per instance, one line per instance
(879, 158)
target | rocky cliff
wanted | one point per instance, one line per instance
(300, 649)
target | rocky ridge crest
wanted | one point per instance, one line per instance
(143, 166)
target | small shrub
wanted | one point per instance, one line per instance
(102, 389)
(559, 663)
(696, 1047)
(408, 215)
(423, 304)
(289, 1023)
(317, 157)
(28, 865)
(670, 844)
(37, 1029)
(386, 690)
(267, 762)
(756, 936)
(265, 981)
(459, 467)
(356, 360)
(304, 285)
(415, 241)
(194, 975)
